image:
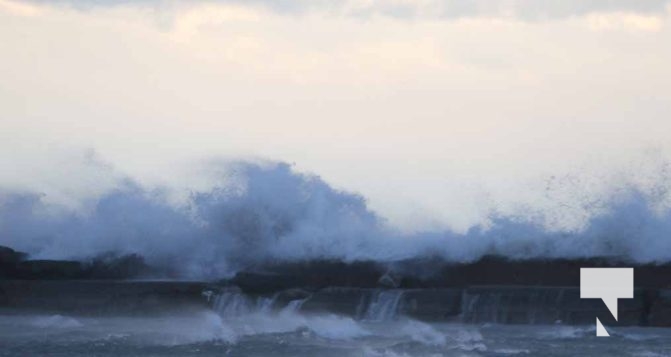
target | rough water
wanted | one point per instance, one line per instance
(290, 333)
(240, 325)
(279, 215)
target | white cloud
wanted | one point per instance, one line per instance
(624, 21)
(531, 10)
(19, 8)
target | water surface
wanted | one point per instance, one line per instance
(291, 333)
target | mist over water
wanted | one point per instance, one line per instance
(269, 212)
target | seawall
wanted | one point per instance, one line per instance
(475, 304)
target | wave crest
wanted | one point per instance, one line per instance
(269, 212)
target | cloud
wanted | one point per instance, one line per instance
(528, 10)
(616, 21)
(18, 8)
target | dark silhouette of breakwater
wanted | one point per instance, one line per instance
(492, 289)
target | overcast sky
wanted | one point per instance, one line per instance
(434, 110)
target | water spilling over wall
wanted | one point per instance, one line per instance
(501, 305)
(371, 305)
(384, 305)
(493, 304)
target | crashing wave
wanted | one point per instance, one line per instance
(271, 213)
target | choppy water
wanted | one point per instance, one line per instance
(291, 333)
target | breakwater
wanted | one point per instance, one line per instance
(475, 304)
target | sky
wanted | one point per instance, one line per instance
(436, 111)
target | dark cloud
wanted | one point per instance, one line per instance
(529, 10)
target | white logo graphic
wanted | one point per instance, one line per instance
(607, 284)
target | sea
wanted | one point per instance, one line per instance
(290, 332)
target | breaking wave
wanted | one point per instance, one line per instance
(269, 212)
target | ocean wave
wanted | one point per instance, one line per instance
(269, 212)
